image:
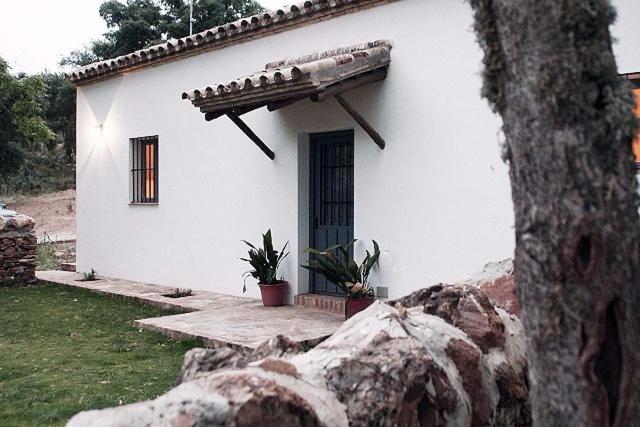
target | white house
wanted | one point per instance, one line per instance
(366, 122)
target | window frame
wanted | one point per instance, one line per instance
(634, 79)
(140, 174)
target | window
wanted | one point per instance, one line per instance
(636, 142)
(144, 169)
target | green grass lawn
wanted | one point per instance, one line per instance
(64, 350)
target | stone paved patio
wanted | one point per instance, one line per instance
(215, 319)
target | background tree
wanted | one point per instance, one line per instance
(131, 26)
(37, 132)
(136, 24)
(549, 71)
(11, 155)
(59, 108)
(22, 125)
(206, 14)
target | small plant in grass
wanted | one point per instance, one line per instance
(46, 255)
(179, 293)
(89, 276)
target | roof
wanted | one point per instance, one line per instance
(314, 75)
(317, 76)
(634, 78)
(241, 30)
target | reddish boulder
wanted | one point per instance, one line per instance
(464, 307)
(496, 280)
(467, 359)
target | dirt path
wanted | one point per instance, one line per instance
(54, 213)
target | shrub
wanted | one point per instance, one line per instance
(45, 256)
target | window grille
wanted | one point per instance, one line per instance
(144, 169)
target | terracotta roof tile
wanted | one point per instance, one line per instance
(294, 78)
(242, 29)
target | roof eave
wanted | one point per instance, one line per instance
(245, 29)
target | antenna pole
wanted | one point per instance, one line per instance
(190, 17)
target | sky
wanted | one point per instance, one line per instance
(36, 34)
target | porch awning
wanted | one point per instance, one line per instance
(316, 76)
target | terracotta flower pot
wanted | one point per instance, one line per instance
(273, 295)
(354, 306)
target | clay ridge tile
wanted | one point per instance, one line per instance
(221, 35)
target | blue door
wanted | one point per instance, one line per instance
(331, 197)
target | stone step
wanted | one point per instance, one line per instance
(214, 319)
(68, 266)
(328, 303)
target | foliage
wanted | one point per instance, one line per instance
(264, 261)
(40, 172)
(206, 14)
(37, 132)
(338, 266)
(89, 276)
(59, 108)
(65, 350)
(22, 125)
(179, 293)
(135, 24)
(45, 257)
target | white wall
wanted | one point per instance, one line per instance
(626, 34)
(437, 198)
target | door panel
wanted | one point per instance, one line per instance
(331, 197)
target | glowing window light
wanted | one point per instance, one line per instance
(636, 142)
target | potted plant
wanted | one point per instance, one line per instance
(264, 267)
(338, 266)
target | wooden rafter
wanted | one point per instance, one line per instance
(375, 136)
(252, 136)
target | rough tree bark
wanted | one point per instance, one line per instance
(549, 71)
(445, 357)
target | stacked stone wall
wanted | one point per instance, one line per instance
(17, 249)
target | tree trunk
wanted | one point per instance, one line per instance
(551, 74)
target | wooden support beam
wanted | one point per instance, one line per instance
(375, 136)
(276, 105)
(212, 115)
(238, 111)
(252, 136)
(350, 84)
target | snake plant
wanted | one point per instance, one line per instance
(338, 266)
(264, 261)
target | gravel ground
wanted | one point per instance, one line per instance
(54, 213)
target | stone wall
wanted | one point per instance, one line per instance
(17, 249)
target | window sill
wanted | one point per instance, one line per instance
(143, 203)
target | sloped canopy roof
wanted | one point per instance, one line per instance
(316, 76)
(289, 80)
